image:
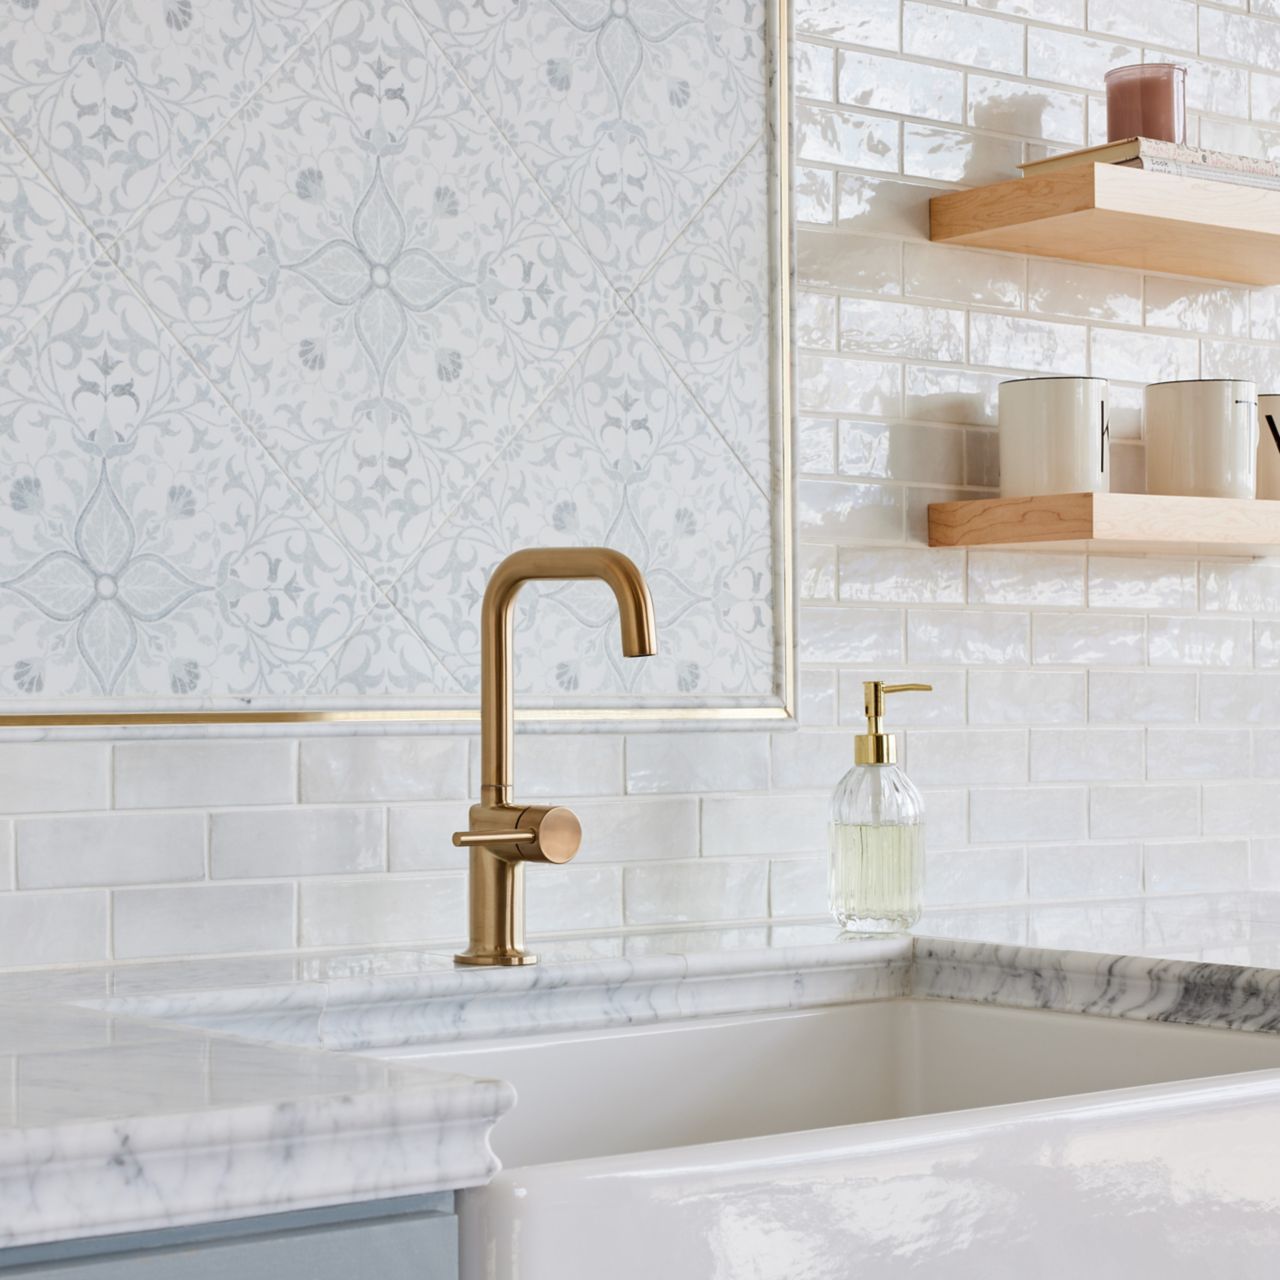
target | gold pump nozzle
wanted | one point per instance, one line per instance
(875, 746)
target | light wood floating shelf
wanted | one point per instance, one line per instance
(1126, 522)
(1107, 214)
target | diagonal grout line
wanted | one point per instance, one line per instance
(667, 360)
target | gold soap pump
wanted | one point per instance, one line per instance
(877, 830)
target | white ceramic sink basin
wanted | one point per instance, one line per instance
(927, 1138)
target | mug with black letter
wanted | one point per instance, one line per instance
(1055, 437)
(1269, 447)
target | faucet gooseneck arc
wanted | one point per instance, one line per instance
(504, 835)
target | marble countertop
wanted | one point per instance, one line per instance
(157, 1094)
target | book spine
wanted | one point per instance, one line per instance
(1210, 173)
(1173, 153)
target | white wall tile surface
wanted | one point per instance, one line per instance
(1099, 727)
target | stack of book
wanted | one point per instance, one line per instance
(1166, 157)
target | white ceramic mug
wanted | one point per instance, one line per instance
(1055, 437)
(1269, 447)
(1202, 438)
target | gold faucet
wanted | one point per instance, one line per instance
(503, 835)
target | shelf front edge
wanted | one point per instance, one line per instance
(987, 521)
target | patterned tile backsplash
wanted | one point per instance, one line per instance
(309, 313)
(1099, 726)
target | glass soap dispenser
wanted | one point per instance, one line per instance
(877, 830)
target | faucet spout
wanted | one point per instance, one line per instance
(497, 714)
(504, 835)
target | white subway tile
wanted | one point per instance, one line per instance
(1027, 697)
(1220, 866)
(966, 757)
(1014, 106)
(1239, 38)
(172, 775)
(1084, 871)
(843, 260)
(901, 451)
(944, 706)
(982, 458)
(1168, 23)
(798, 887)
(968, 636)
(1086, 755)
(1088, 293)
(1037, 346)
(816, 445)
(880, 328)
(38, 929)
(1021, 814)
(1266, 755)
(841, 511)
(1031, 578)
(376, 769)
(811, 761)
(814, 200)
(962, 396)
(946, 819)
(888, 206)
(1068, 13)
(943, 154)
(816, 574)
(385, 910)
(1198, 308)
(420, 836)
(1266, 644)
(813, 71)
(757, 825)
(835, 384)
(1241, 809)
(830, 136)
(681, 892)
(1195, 754)
(815, 326)
(950, 274)
(1126, 356)
(1117, 582)
(851, 635)
(1264, 97)
(109, 849)
(322, 840)
(561, 766)
(871, 22)
(1143, 812)
(1244, 587)
(1077, 60)
(1090, 639)
(573, 897)
(1199, 642)
(908, 575)
(904, 88)
(198, 920)
(816, 697)
(636, 829)
(54, 777)
(1239, 699)
(1211, 86)
(1264, 865)
(968, 39)
(684, 762)
(967, 876)
(1142, 697)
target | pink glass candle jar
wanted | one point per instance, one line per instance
(1149, 101)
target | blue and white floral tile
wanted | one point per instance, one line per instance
(42, 245)
(148, 546)
(113, 98)
(708, 305)
(622, 456)
(386, 658)
(374, 278)
(630, 112)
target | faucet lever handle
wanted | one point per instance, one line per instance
(465, 839)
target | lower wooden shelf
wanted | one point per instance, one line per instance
(1124, 522)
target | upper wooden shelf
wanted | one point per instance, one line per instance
(1107, 214)
(1136, 523)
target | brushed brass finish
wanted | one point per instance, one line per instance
(503, 836)
(876, 746)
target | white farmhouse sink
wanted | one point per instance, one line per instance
(908, 1139)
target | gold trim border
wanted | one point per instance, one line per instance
(778, 25)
